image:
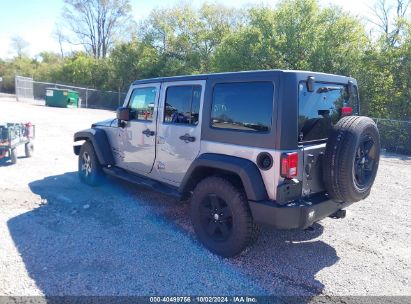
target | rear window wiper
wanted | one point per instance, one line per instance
(327, 89)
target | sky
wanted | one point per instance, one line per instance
(35, 20)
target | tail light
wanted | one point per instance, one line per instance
(289, 165)
(346, 111)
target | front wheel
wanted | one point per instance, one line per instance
(89, 168)
(221, 217)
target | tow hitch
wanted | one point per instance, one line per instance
(340, 214)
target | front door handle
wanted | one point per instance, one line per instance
(148, 132)
(187, 138)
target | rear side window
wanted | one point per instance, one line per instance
(182, 105)
(321, 109)
(142, 102)
(243, 106)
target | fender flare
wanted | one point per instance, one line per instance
(100, 142)
(245, 169)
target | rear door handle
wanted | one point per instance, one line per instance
(148, 132)
(187, 138)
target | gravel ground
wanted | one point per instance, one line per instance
(60, 237)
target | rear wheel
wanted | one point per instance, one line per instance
(13, 156)
(29, 149)
(351, 159)
(221, 217)
(89, 168)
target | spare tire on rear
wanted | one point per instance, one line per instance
(351, 159)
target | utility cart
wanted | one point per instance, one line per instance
(13, 135)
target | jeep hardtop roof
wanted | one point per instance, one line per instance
(248, 75)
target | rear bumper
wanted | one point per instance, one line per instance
(295, 215)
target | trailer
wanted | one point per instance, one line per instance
(13, 135)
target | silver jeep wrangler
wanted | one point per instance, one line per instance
(283, 148)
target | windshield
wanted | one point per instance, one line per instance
(321, 109)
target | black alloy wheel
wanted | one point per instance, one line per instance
(221, 216)
(217, 218)
(364, 162)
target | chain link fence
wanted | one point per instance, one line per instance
(395, 135)
(23, 87)
(89, 98)
(27, 88)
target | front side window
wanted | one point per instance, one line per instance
(142, 103)
(182, 104)
(321, 109)
(243, 106)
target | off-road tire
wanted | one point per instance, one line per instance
(243, 230)
(29, 149)
(89, 168)
(343, 159)
(13, 155)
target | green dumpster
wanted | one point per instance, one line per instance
(61, 98)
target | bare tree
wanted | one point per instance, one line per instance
(96, 23)
(390, 15)
(19, 45)
(382, 12)
(60, 37)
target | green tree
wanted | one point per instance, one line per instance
(298, 34)
(340, 43)
(83, 70)
(386, 67)
(131, 61)
(185, 38)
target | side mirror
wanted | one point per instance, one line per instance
(310, 84)
(123, 115)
